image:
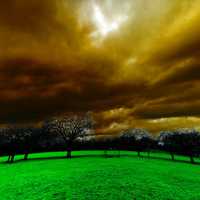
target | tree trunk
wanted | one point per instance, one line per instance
(9, 158)
(26, 156)
(172, 156)
(192, 159)
(12, 158)
(69, 154)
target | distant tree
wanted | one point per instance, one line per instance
(21, 140)
(127, 140)
(188, 142)
(136, 139)
(14, 142)
(70, 128)
(6, 141)
(111, 145)
(181, 141)
(166, 143)
(3, 141)
(30, 137)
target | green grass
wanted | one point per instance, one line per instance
(95, 177)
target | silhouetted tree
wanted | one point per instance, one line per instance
(165, 142)
(6, 140)
(136, 139)
(70, 128)
(14, 142)
(110, 144)
(30, 138)
(188, 141)
(21, 140)
(182, 141)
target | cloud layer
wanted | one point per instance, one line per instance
(143, 73)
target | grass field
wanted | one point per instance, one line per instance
(90, 176)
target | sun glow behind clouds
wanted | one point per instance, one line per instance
(103, 24)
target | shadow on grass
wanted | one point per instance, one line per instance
(52, 158)
(102, 156)
(173, 161)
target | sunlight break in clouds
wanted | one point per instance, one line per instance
(103, 24)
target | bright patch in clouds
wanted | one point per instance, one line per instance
(103, 24)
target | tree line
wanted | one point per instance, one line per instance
(52, 133)
(76, 133)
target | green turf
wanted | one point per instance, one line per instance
(95, 177)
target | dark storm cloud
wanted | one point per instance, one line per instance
(168, 110)
(27, 16)
(186, 72)
(32, 90)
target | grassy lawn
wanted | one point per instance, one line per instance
(90, 176)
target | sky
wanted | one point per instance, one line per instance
(132, 63)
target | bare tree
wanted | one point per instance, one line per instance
(70, 128)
